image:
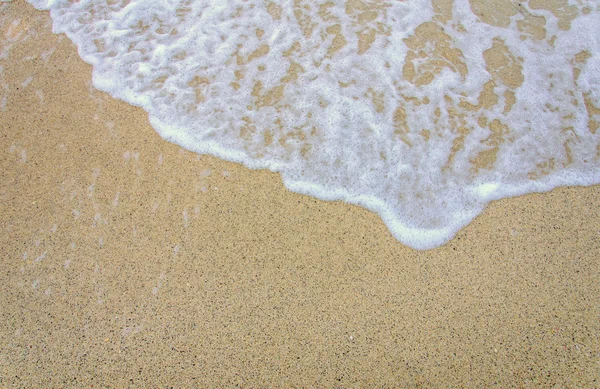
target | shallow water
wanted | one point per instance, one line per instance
(422, 111)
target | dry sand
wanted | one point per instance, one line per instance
(126, 260)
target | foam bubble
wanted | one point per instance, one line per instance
(422, 111)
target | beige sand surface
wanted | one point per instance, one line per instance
(127, 261)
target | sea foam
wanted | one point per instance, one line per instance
(420, 110)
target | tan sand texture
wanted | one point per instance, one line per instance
(127, 261)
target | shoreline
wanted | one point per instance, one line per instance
(130, 261)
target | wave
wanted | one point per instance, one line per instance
(423, 111)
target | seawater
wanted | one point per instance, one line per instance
(420, 110)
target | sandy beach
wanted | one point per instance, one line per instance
(127, 261)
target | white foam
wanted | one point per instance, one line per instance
(424, 121)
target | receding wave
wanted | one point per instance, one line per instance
(420, 110)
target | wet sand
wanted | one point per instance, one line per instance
(127, 261)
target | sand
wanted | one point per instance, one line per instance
(127, 261)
